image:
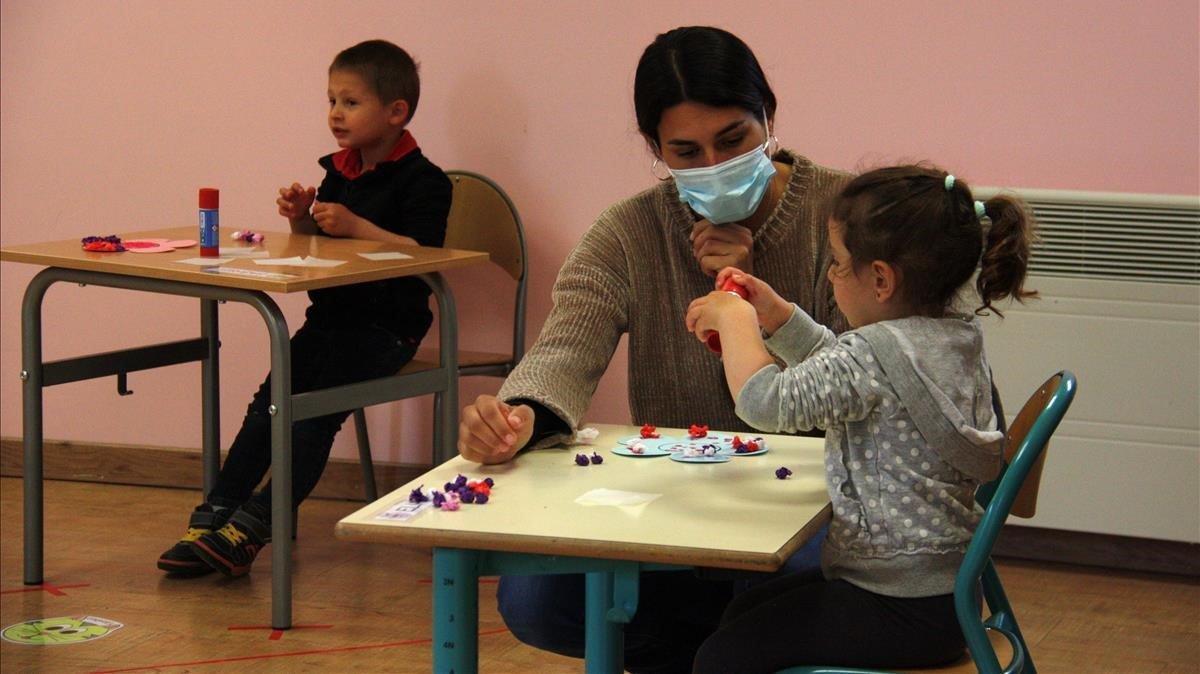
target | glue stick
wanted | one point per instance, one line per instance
(730, 286)
(209, 241)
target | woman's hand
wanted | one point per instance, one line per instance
(716, 312)
(295, 201)
(719, 246)
(771, 309)
(491, 431)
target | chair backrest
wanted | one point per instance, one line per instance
(1025, 504)
(1025, 447)
(483, 218)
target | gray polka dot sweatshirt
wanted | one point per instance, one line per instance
(910, 433)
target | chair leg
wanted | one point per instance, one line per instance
(437, 430)
(364, 455)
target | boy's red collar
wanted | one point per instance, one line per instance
(348, 162)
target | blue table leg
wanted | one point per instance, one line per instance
(604, 652)
(455, 611)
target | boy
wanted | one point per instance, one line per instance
(378, 187)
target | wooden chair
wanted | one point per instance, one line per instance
(482, 218)
(1014, 491)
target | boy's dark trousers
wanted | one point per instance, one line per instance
(322, 356)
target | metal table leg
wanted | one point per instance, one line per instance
(31, 401)
(455, 611)
(210, 395)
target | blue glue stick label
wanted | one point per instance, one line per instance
(208, 228)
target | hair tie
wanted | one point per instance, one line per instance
(980, 210)
(949, 182)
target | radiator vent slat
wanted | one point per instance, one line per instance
(1101, 235)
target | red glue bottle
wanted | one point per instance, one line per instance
(729, 286)
(210, 245)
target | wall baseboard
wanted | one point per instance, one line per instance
(180, 468)
(149, 466)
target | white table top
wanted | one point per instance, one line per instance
(734, 515)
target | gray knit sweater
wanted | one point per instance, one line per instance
(634, 273)
(910, 434)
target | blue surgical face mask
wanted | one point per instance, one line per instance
(729, 191)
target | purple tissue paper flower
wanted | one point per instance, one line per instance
(417, 496)
(480, 499)
(438, 499)
(596, 458)
(460, 481)
(489, 482)
(581, 459)
(783, 473)
(467, 496)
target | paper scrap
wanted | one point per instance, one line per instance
(614, 497)
(386, 256)
(403, 511)
(250, 273)
(300, 261)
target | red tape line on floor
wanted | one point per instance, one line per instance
(56, 590)
(316, 651)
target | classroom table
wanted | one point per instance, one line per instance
(732, 515)
(240, 280)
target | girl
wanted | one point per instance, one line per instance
(906, 401)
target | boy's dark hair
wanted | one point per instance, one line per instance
(387, 69)
(905, 216)
(700, 64)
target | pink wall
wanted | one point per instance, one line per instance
(115, 112)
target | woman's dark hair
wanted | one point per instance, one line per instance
(387, 69)
(905, 216)
(701, 64)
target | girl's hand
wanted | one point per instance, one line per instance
(491, 431)
(336, 219)
(295, 201)
(717, 246)
(770, 308)
(715, 312)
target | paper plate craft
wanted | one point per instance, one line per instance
(181, 243)
(642, 448)
(146, 247)
(748, 447)
(717, 456)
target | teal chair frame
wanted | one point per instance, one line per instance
(1030, 434)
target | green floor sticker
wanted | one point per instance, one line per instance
(55, 631)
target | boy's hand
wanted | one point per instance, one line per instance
(771, 309)
(336, 219)
(718, 246)
(715, 312)
(295, 201)
(491, 431)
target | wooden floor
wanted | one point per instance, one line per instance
(368, 604)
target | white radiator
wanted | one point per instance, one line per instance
(1119, 278)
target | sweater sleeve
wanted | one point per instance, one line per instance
(423, 208)
(799, 337)
(835, 384)
(590, 313)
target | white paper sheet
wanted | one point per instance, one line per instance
(385, 256)
(299, 261)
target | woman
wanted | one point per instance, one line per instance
(706, 111)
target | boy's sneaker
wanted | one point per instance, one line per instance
(232, 548)
(180, 559)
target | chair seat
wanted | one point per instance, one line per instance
(430, 358)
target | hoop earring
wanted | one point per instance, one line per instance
(772, 139)
(655, 165)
